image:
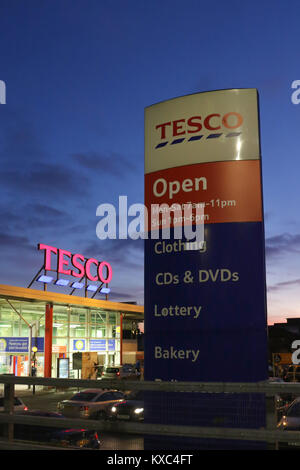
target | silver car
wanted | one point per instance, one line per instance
(92, 403)
(19, 405)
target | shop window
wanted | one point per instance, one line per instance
(97, 332)
(78, 331)
(6, 329)
(24, 329)
(16, 328)
(60, 329)
(112, 318)
(100, 332)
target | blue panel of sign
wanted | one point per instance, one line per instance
(206, 307)
(205, 322)
(98, 345)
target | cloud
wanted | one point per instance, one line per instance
(18, 141)
(45, 179)
(24, 218)
(13, 241)
(113, 164)
(43, 215)
(8, 217)
(282, 244)
(124, 252)
(121, 295)
(280, 285)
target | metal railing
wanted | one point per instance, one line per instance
(269, 434)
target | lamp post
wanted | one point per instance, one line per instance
(33, 366)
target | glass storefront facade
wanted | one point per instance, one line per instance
(75, 329)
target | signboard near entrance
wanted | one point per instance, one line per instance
(204, 149)
(77, 361)
(20, 344)
(63, 368)
(205, 303)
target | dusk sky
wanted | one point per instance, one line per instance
(78, 77)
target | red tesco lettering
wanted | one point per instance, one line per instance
(211, 122)
(81, 266)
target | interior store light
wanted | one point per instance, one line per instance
(92, 287)
(105, 290)
(77, 285)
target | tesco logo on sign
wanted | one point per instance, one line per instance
(214, 122)
(76, 265)
(194, 124)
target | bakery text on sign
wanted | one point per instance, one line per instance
(76, 265)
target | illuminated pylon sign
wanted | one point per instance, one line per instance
(86, 271)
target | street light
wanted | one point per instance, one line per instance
(33, 368)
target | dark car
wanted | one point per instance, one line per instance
(290, 421)
(132, 408)
(127, 371)
(18, 404)
(76, 438)
(292, 374)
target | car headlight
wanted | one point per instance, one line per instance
(114, 409)
(138, 410)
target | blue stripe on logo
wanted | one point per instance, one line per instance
(162, 144)
(197, 137)
(233, 134)
(213, 136)
(177, 141)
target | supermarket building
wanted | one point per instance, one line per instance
(45, 329)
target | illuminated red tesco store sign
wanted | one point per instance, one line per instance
(84, 270)
(80, 266)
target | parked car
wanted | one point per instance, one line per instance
(292, 374)
(132, 408)
(127, 371)
(282, 399)
(290, 421)
(91, 403)
(291, 418)
(19, 405)
(78, 438)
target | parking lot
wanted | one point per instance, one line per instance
(47, 400)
